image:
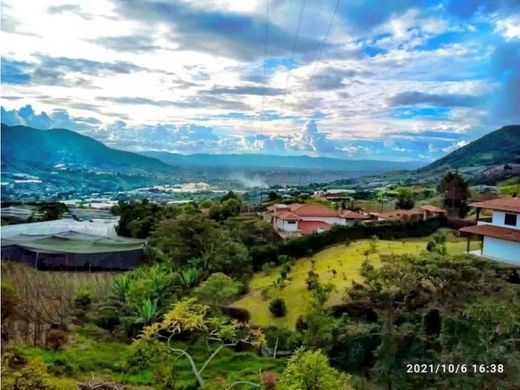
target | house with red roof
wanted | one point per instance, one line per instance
(297, 219)
(424, 212)
(500, 237)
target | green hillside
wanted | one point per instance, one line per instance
(22, 144)
(498, 147)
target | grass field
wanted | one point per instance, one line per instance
(346, 261)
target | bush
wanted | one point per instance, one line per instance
(285, 339)
(56, 337)
(277, 307)
(144, 354)
(82, 298)
(10, 300)
(236, 313)
(269, 380)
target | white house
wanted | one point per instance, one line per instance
(501, 235)
(297, 219)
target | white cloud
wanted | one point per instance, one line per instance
(509, 27)
(174, 91)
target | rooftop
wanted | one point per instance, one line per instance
(73, 242)
(309, 227)
(432, 209)
(502, 204)
(492, 231)
(103, 229)
(297, 210)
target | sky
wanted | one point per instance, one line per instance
(387, 80)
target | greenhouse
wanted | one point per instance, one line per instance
(70, 249)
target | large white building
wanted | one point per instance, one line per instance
(501, 235)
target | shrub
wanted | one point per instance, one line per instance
(312, 280)
(269, 380)
(32, 376)
(143, 354)
(10, 300)
(285, 339)
(300, 325)
(310, 370)
(82, 298)
(277, 307)
(56, 337)
(237, 313)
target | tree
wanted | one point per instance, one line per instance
(310, 370)
(437, 244)
(48, 212)
(405, 199)
(319, 322)
(231, 208)
(456, 193)
(229, 195)
(190, 318)
(272, 196)
(195, 240)
(218, 289)
(373, 244)
(139, 219)
(277, 307)
(423, 305)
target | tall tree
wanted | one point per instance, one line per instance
(405, 198)
(456, 193)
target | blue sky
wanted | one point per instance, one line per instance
(395, 80)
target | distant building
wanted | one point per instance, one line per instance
(430, 211)
(335, 194)
(500, 237)
(68, 244)
(296, 219)
(398, 215)
(424, 212)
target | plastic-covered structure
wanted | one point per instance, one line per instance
(95, 247)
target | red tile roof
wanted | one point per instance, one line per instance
(349, 214)
(311, 210)
(309, 227)
(492, 231)
(314, 210)
(502, 204)
(287, 215)
(432, 209)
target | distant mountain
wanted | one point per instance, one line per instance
(498, 147)
(262, 161)
(24, 147)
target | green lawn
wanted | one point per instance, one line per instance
(346, 261)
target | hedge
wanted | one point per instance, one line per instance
(310, 244)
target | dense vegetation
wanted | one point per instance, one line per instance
(345, 309)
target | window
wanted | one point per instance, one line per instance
(291, 222)
(510, 219)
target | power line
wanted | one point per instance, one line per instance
(265, 64)
(322, 47)
(293, 54)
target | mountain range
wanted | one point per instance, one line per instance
(64, 156)
(263, 161)
(22, 145)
